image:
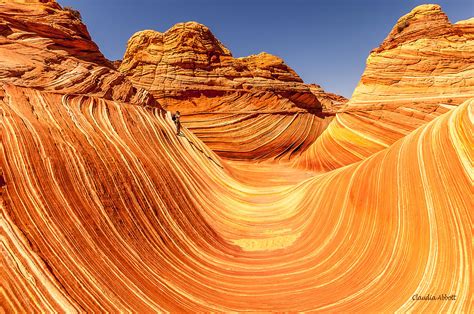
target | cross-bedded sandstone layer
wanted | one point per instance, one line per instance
(104, 208)
(222, 98)
(424, 68)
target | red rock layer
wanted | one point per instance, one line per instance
(48, 48)
(190, 70)
(105, 209)
(424, 68)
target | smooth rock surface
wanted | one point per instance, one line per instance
(104, 209)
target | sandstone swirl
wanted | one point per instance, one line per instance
(223, 98)
(424, 68)
(104, 208)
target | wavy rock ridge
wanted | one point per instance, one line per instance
(424, 68)
(221, 97)
(72, 240)
(103, 208)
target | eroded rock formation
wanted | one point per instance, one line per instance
(188, 69)
(45, 47)
(424, 59)
(424, 68)
(188, 61)
(105, 209)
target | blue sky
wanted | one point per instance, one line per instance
(325, 41)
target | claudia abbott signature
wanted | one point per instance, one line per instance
(433, 297)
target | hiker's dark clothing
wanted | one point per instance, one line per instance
(176, 120)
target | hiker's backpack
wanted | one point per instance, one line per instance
(173, 117)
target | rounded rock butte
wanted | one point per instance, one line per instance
(104, 208)
(423, 69)
(221, 97)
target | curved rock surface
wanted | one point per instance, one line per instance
(188, 69)
(105, 209)
(424, 68)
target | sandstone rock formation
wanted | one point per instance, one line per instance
(104, 209)
(424, 59)
(188, 69)
(188, 60)
(48, 48)
(424, 68)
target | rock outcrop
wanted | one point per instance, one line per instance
(104, 209)
(221, 97)
(424, 68)
(188, 61)
(424, 59)
(46, 47)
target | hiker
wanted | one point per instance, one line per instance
(176, 117)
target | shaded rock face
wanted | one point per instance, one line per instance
(425, 59)
(48, 48)
(221, 97)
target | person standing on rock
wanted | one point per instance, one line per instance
(176, 120)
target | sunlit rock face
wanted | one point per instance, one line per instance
(45, 47)
(188, 61)
(424, 68)
(105, 209)
(223, 98)
(424, 59)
